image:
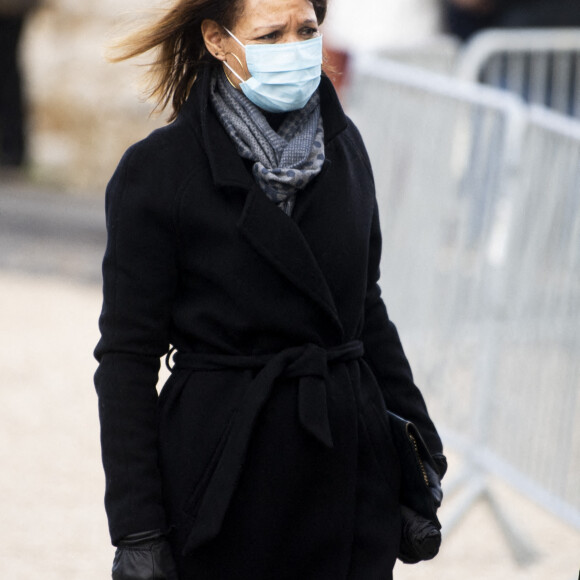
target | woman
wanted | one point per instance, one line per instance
(245, 234)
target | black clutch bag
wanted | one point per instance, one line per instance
(420, 493)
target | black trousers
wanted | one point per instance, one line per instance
(12, 132)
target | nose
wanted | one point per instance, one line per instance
(292, 36)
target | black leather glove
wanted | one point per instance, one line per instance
(421, 537)
(144, 556)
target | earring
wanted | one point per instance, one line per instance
(227, 66)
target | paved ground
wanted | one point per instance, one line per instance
(53, 524)
(44, 232)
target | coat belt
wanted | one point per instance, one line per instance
(309, 364)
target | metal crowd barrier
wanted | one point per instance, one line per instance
(481, 260)
(540, 65)
(538, 315)
(438, 54)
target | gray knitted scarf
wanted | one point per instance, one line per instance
(286, 160)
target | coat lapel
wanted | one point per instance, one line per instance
(274, 236)
(278, 239)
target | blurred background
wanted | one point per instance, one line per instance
(470, 110)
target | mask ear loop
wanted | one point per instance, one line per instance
(236, 57)
(234, 37)
(232, 70)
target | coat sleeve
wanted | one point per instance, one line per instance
(139, 281)
(383, 349)
(385, 355)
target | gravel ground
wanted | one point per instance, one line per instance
(53, 523)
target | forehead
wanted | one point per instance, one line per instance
(275, 11)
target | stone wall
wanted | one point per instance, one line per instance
(84, 111)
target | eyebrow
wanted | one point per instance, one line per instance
(308, 21)
(267, 27)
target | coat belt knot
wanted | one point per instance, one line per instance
(309, 364)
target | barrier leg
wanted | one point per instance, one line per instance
(477, 488)
(521, 547)
(474, 491)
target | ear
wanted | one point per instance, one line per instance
(213, 37)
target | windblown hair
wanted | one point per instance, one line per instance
(180, 51)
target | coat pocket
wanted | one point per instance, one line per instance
(192, 502)
(195, 416)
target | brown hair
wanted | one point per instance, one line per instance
(180, 49)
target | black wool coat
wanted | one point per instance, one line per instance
(267, 453)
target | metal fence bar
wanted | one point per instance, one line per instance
(540, 65)
(438, 54)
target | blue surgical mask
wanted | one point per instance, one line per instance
(283, 76)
